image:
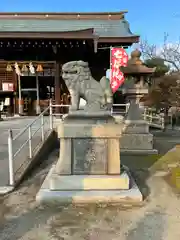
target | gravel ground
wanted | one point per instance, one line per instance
(22, 219)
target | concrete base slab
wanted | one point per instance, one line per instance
(47, 196)
(5, 190)
(139, 151)
(89, 182)
(118, 118)
(137, 141)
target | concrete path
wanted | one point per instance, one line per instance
(22, 218)
(16, 125)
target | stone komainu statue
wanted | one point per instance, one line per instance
(81, 84)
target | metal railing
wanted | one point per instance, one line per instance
(120, 108)
(41, 130)
(36, 127)
(156, 120)
(123, 108)
(36, 133)
(153, 119)
(54, 113)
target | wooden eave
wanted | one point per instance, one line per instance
(79, 35)
(131, 39)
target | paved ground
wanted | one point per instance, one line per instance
(158, 219)
(16, 125)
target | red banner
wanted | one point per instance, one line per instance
(119, 58)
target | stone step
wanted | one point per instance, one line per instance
(90, 182)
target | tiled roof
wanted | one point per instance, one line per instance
(102, 28)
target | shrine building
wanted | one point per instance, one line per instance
(33, 47)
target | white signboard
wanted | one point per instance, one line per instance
(8, 87)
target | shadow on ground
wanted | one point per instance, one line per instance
(141, 229)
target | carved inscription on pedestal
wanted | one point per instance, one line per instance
(90, 156)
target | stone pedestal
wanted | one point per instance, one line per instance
(136, 137)
(88, 168)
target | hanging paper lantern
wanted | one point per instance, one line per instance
(17, 69)
(31, 68)
(24, 68)
(9, 68)
(39, 68)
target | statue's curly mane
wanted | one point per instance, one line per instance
(77, 71)
(81, 84)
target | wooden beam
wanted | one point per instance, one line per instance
(131, 39)
(36, 44)
(3, 62)
(57, 86)
(75, 35)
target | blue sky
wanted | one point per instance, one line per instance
(150, 19)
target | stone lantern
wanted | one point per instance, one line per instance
(135, 86)
(136, 130)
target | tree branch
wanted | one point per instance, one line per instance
(168, 52)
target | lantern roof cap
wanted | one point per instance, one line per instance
(135, 65)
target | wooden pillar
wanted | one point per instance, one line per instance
(15, 98)
(38, 109)
(20, 100)
(57, 86)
